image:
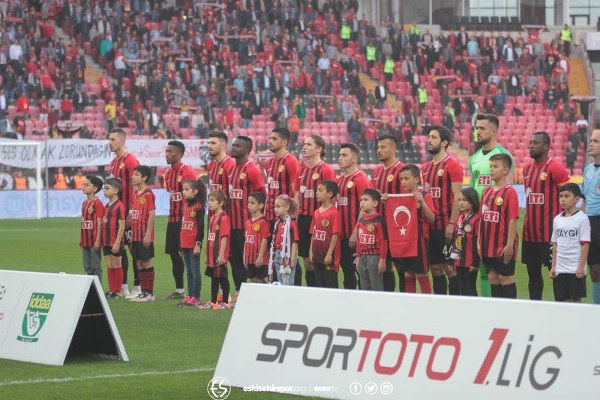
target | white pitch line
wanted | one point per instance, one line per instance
(106, 376)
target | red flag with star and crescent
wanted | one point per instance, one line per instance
(402, 221)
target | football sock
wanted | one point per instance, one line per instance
(410, 284)
(440, 285)
(214, 289)
(150, 279)
(118, 276)
(453, 285)
(510, 291)
(596, 292)
(110, 275)
(484, 284)
(311, 280)
(425, 284)
(178, 270)
(125, 267)
(142, 277)
(136, 272)
(389, 281)
(225, 288)
(536, 282)
(496, 291)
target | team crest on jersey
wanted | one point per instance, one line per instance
(371, 228)
(193, 214)
(242, 176)
(458, 243)
(325, 222)
(90, 210)
(468, 228)
(315, 176)
(281, 168)
(142, 201)
(179, 178)
(390, 178)
(440, 172)
(217, 227)
(543, 176)
(256, 227)
(350, 185)
(499, 201)
(221, 171)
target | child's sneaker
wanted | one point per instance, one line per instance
(135, 292)
(145, 298)
(124, 291)
(175, 296)
(221, 306)
(206, 306)
(113, 295)
(184, 302)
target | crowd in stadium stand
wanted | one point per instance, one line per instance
(182, 68)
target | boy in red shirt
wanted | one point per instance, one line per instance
(256, 256)
(92, 211)
(325, 231)
(113, 230)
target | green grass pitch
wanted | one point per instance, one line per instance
(172, 351)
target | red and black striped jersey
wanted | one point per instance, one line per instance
(218, 174)
(122, 169)
(139, 213)
(192, 224)
(424, 225)
(437, 180)
(306, 185)
(91, 212)
(371, 236)
(387, 181)
(174, 178)
(466, 232)
(324, 225)
(348, 200)
(278, 233)
(256, 230)
(218, 228)
(113, 213)
(244, 179)
(541, 183)
(498, 208)
(281, 175)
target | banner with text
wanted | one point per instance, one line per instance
(335, 344)
(90, 153)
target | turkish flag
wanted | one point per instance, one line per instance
(402, 221)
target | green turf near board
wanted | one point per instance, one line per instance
(161, 339)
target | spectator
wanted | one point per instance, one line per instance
(571, 156)
(293, 126)
(66, 107)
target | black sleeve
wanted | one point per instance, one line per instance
(200, 221)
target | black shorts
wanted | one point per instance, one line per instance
(594, 254)
(107, 251)
(497, 264)
(257, 272)
(304, 222)
(418, 264)
(172, 239)
(533, 253)
(437, 242)
(142, 253)
(569, 287)
(216, 272)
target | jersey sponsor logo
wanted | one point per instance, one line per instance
(236, 194)
(484, 180)
(176, 196)
(435, 192)
(249, 239)
(211, 237)
(491, 216)
(215, 187)
(535, 198)
(366, 239)
(567, 233)
(187, 225)
(309, 193)
(319, 235)
(87, 225)
(342, 201)
(134, 214)
(274, 185)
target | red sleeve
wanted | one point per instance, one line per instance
(121, 211)
(257, 182)
(429, 201)
(312, 222)
(292, 166)
(294, 231)
(327, 173)
(559, 174)
(225, 226)
(131, 163)
(337, 221)
(150, 199)
(455, 171)
(264, 230)
(475, 225)
(362, 183)
(189, 173)
(513, 204)
(99, 207)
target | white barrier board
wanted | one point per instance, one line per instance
(343, 344)
(45, 316)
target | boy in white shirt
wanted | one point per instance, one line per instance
(571, 244)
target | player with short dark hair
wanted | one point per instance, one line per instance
(174, 178)
(142, 217)
(443, 180)
(498, 239)
(113, 232)
(92, 211)
(542, 180)
(257, 234)
(324, 252)
(313, 171)
(352, 182)
(221, 164)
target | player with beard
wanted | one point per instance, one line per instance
(351, 183)
(221, 164)
(479, 164)
(245, 178)
(443, 180)
(313, 171)
(542, 180)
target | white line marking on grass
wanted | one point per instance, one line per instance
(104, 376)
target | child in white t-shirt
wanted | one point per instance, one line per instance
(571, 244)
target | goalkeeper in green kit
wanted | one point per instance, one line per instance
(479, 165)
